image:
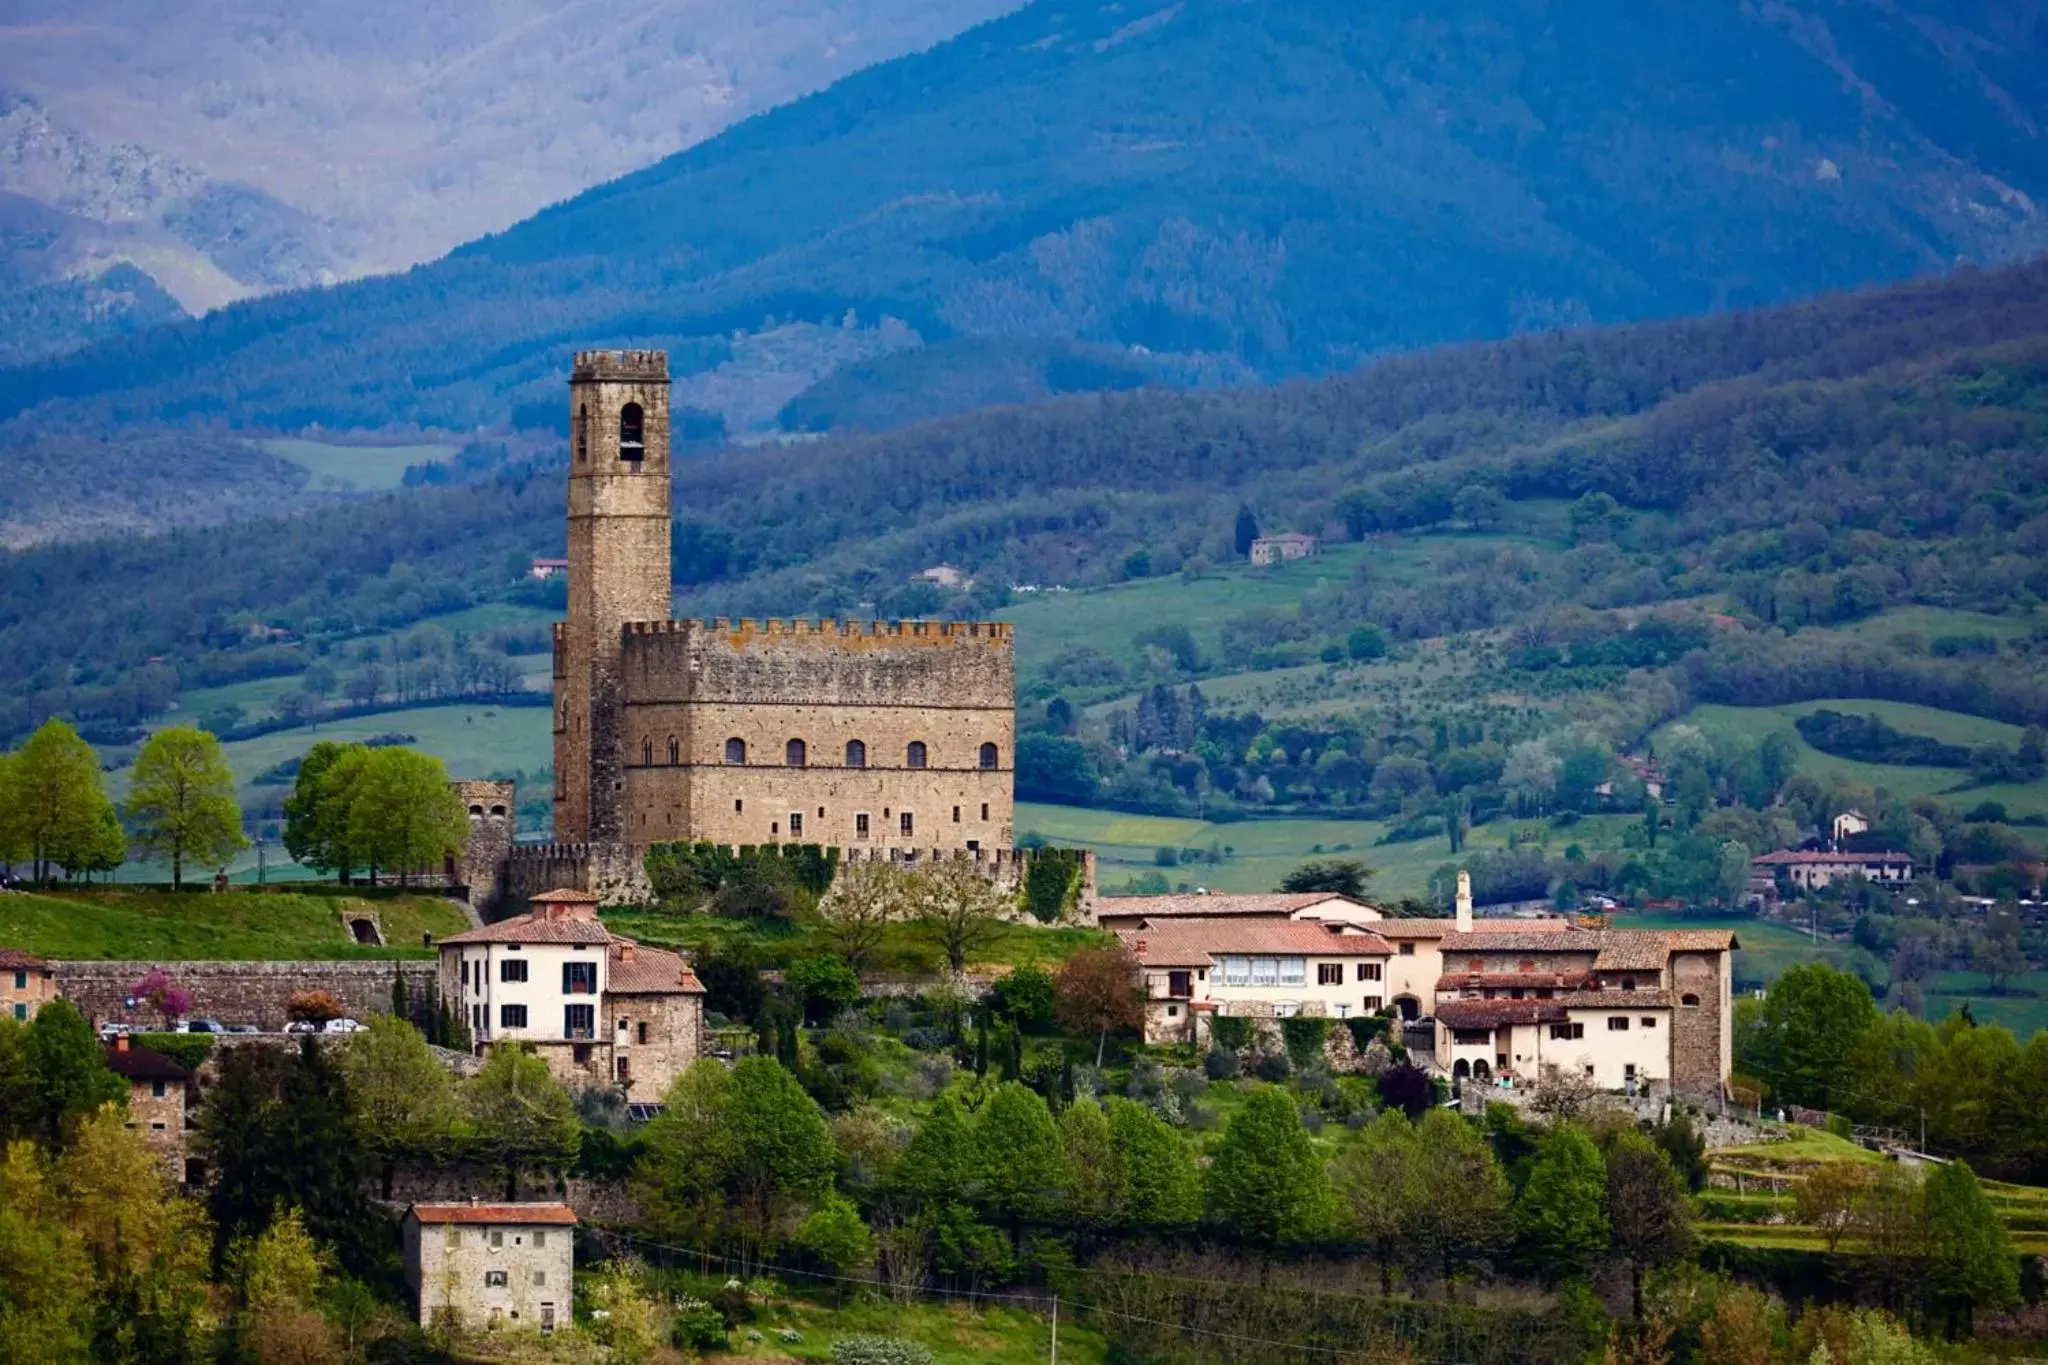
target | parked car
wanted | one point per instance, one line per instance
(342, 1026)
(243, 1028)
(202, 1026)
(301, 1026)
(114, 1029)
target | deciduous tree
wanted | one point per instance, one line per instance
(521, 1116)
(56, 805)
(1098, 992)
(959, 908)
(1464, 1217)
(1649, 1221)
(1561, 1216)
(1162, 1190)
(1017, 1168)
(181, 801)
(67, 1073)
(403, 814)
(405, 1098)
(1971, 1263)
(1265, 1183)
(1382, 1184)
(316, 814)
(864, 900)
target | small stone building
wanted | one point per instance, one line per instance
(27, 983)
(1284, 546)
(158, 1095)
(491, 1267)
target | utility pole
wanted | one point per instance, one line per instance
(1055, 1329)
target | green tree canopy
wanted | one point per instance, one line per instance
(53, 808)
(1803, 1036)
(181, 800)
(1464, 1214)
(1382, 1181)
(1161, 1187)
(403, 815)
(520, 1116)
(1971, 1261)
(1561, 1216)
(1017, 1167)
(1095, 1177)
(937, 1165)
(1649, 1218)
(1265, 1182)
(65, 1078)
(405, 1098)
(316, 812)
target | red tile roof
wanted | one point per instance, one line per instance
(1438, 928)
(653, 971)
(526, 1215)
(1479, 981)
(1492, 1013)
(1791, 857)
(535, 929)
(1193, 943)
(1624, 1000)
(1279, 905)
(567, 895)
(1624, 949)
(15, 960)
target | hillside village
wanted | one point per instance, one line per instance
(788, 1043)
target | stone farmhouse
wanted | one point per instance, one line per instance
(1810, 870)
(26, 984)
(889, 737)
(499, 1267)
(598, 1007)
(1286, 545)
(159, 1091)
(1527, 999)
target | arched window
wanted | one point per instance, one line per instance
(736, 751)
(646, 753)
(582, 432)
(914, 756)
(675, 752)
(632, 433)
(856, 754)
(793, 753)
(565, 717)
(476, 812)
(988, 755)
(1691, 1002)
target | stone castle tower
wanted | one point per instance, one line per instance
(618, 573)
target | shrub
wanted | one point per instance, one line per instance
(186, 1049)
(824, 984)
(698, 1326)
(879, 1351)
(1026, 998)
(313, 1006)
(1304, 1036)
(1272, 1066)
(1231, 1034)
(1221, 1065)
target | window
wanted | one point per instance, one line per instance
(796, 823)
(736, 752)
(1368, 971)
(1173, 1011)
(632, 433)
(579, 1021)
(1237, 971)
(622, 1066)
(494, 1279)
(1292, 971)
(906, 825)
(1691, 1002)
(1617, 1023)
(511, 1016)
(989, 755)
(793, 753)
(1567, 1031)
(1648, 1021)
(675, 752)
(582, 433)
(1264, 970)
(21, 981)
(465, 971)
(643, 1038)
(156, 1127)
(1374, 1004)
(856, 754)
(540, 1277)
(914, 756)
(1329, 973)
(497, 1240)
(156, 1090)
(540, 1238)
(984, 810)
(512, 969)
(1407, 950)
(956, 815)
(860, 825)
(579, 978)
(646, 753)
(1628, 983)
(21, 1011)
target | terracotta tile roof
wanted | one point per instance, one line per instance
(535, 929)
(1438, 928)
(1192, 943)
(527, 1215)
(653, 971)
(1534, 941)
(566, 895)
(1279, 905)
(144, 1064)
(1789, 857)
(15, 960)
(1629, 1000)
(1480, 981)
(1492, 1013)
(1638, 950)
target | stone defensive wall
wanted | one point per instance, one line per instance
(240, 992)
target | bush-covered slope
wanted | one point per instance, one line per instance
(1241, 190)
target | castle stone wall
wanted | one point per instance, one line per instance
(239, 992)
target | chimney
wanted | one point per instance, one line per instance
(1464, 901)
(626, 952)
(120, 1042)
(1140, 945)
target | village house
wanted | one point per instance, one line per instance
(1286, 545)
(1255, 968)
(26, 984)
(550, 568)
(1810, 870)
(491, 1266)
(157, 1098)
(600, 1008)
(1849, 823)
(1130, 912)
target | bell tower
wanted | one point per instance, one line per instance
(618, 573)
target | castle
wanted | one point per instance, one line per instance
(882, 740)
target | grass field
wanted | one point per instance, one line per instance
(1767, 948)
(355, 469)
(115, 923)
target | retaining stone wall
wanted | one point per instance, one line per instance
(239, 992)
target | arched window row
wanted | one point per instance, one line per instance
(796, 754)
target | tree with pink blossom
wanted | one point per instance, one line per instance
(171, 1001)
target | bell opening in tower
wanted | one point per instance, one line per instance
(632, 434)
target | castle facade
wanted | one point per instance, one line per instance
(866, 737)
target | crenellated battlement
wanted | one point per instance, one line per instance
(746, 629)
(627, 367)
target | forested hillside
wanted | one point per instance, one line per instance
(1225, 191)
(1805, 466)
